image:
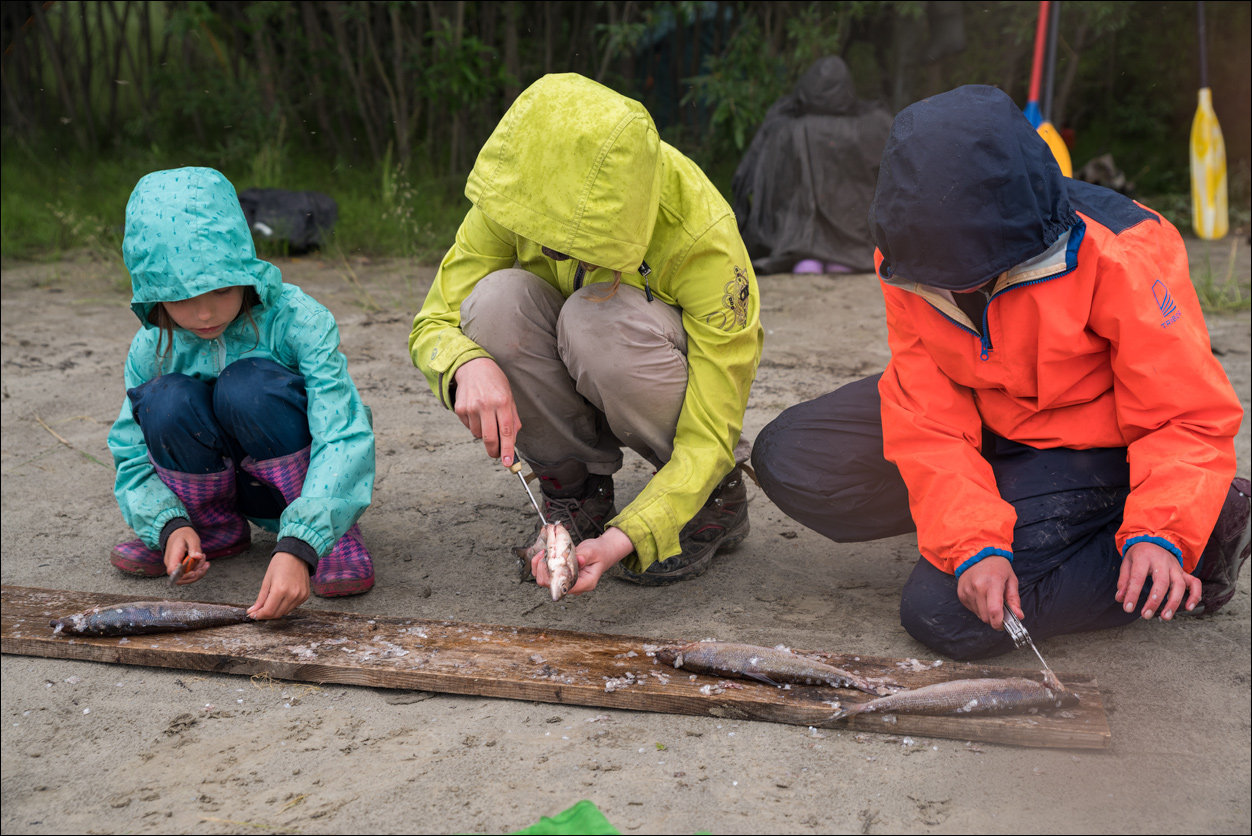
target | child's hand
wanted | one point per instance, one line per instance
(989, 586)
(484, 403)
(182, 543)
(286, 586)
(1169, 582)
(595, 557)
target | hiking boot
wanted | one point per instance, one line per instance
(348, 569)
(213, 512)
(720, 525)
(1227, 549)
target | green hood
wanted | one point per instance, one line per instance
(592, 193)
(186, 235)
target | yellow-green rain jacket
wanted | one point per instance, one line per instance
(580, 169)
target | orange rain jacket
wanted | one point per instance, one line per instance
(1098, 341)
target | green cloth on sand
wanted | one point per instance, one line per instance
(583, 817)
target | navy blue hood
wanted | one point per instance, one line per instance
(966, 190)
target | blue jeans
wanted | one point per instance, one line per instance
(255, 408)
(821, 462)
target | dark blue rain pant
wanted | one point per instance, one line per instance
(822, 463)
(255, 408)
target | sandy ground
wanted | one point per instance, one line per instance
(103, 748)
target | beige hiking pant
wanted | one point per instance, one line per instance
(588, 376)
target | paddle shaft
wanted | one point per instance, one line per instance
(1054, 35)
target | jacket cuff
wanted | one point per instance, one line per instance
(990, 551)
(169, 528)
(446, 378)
(1156, 541)
(301, 549)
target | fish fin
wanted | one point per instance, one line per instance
(760, 677)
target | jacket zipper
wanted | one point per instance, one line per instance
(644, 270)
(984, 338)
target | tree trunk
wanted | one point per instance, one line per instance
(58, 71)
(512, 57)
(316, 43)
(341, 45)
(1061, 101)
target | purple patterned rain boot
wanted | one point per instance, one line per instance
(348, 569)
(211, 507)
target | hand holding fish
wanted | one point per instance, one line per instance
(1144, 560)
(987, 587)
(484, 403)
(286, 586)
(181, 544)
(595, 557)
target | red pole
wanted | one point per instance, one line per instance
(1041, 41)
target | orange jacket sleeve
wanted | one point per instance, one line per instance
(1175, 405)
(933, 433)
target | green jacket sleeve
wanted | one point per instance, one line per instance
(716, 289)
(340, 482)
(145, 501)
(436, 344)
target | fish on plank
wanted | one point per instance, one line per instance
(969, 696)
(140, 617)
(770, 665)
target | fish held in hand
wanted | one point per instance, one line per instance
(561, 560)
(770, 665)
(140, 617)
(969, 696)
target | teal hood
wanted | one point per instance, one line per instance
(186, 235)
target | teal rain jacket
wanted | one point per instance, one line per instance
(186, 235)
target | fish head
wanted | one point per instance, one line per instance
(560, 584)
(672, 656)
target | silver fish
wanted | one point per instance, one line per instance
(969, 696)
(765, 664)
(141, 617)
(561, 561)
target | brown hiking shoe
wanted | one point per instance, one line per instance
(720, 525)
(1227, 550)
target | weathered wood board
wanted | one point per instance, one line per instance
(525, 663)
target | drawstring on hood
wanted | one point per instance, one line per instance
(966, 190)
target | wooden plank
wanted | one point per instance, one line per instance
(525, 663)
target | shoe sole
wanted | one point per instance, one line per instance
(342, 589)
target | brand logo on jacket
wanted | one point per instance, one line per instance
(735, 297)
(1169, 310)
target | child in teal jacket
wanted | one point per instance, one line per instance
(239, 406)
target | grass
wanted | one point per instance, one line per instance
(55, 202)
(52, 203)
(1230, 295)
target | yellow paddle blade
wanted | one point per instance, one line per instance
(1210, 216)
(1053, 138)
